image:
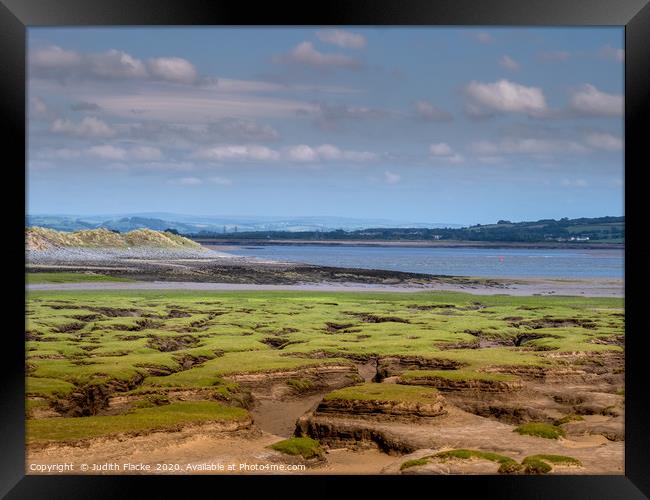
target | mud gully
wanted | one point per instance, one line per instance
(277, 388)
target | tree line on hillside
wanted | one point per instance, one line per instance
(608, 229)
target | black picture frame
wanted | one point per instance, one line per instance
(634, 15)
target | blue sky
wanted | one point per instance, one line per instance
(422, 124)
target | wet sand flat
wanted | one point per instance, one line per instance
(585, 288)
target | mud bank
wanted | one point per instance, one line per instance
(584, 288)
(370, 436)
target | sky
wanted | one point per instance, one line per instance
(434, 124)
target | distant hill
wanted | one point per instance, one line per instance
(583, 230)
(43, 239)
(189, 224)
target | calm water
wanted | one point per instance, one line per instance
(511, 262)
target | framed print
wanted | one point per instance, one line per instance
(375, 243)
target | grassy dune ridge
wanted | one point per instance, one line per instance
(40, 238)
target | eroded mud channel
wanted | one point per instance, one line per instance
(356, 384)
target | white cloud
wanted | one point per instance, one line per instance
(305, 54)
(233, 85)
(455, 158)
(176, 104)
(333, 116)
(38, 106)
(440, 149)
(166, 166)
(483, 37)
(87, 127)
(55, 62)
(526, 146)
(428, 112)
(604, 141)
(238, 153)
(609, 52)
(85, 106)
(221, 181)
(54, 57)
(302, 153)
(329, 152)
(172, 69)
(115, 64)
(326, 152)
(391, 178)
(504, 96)
(508, 62)
(107, 152)
(63, 154)
(240, 129)
(187, 181)
(40, 165)
(146, 153)
(191, 135)
(444, 152)
(342, 38)
(587, 100)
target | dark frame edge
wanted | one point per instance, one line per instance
(636, 483)
(637, 107)
(330, 12)
(12, 108)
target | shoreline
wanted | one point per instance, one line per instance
(579, 288)
(234, 242)
(209, 270)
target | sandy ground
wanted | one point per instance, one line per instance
(585, 288)
(186, 451)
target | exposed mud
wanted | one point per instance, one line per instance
(70, 327)
(340, 327)
(390, 409)
(138, 326)
(92, 398)
(550, 322)
(278, 405)
(113, 312)
(290, 402)
(474, 385)
(175, 343)
(373, 318)
(279, 342)
(390, 366)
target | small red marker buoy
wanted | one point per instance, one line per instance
(500, 258)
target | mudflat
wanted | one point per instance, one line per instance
(428, 382)
(215, 271)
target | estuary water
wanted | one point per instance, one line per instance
(486, 262)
